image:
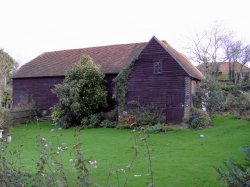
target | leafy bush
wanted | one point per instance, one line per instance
(239, 105)
(91, 121)
(228, 87)
(210, 96)
(81, 94)
(6, 99)
(94, 120)
(200, 119)
(234, 174)
(146, 114)
(5, 119)
(107, 124)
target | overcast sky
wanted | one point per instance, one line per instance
(31, 27)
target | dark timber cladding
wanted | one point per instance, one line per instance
(164, 90)
(37, 90)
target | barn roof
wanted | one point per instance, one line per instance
(112, 59)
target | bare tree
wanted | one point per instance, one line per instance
(217, 45)
(207, 48)
(236, 52)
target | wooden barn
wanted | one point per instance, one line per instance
(162, 76)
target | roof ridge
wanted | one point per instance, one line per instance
(85, 48)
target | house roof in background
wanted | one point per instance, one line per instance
(224, 67)
(111, 59)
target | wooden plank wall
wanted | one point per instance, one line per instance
(149, 88)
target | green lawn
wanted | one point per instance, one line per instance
(178, 158)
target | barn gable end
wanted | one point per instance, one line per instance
(166, 89)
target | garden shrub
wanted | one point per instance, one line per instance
(81, 94)
(5, 120)
(235, 174)
(146, 114)
(91, 121)
(94, 120)
(228, 87)
(239, 105)
(199, 119)
(210, 96)
(107, 124)
(6, 99)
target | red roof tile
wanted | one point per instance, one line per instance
(111, 59)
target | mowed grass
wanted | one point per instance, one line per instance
(179, 158)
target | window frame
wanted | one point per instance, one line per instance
(157, 66)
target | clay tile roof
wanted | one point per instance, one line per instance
(111, 59)
(191, 70)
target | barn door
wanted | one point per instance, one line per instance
(174, 107)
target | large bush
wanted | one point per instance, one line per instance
(200, 119)
(239, 105)
(210, 96)
(146, 114)
(80, 95)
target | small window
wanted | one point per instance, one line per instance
(158, 67)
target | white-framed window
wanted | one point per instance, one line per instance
(157, 66)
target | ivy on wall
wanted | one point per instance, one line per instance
(121, 85)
